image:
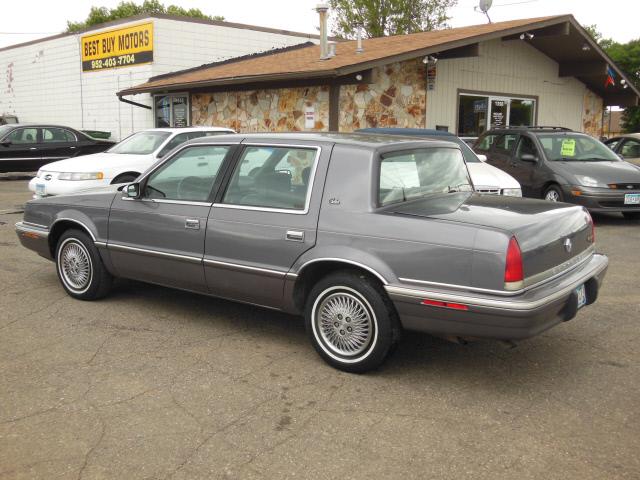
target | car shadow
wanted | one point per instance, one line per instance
(417, 355)
(612, 219)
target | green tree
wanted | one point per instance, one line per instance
(627, 57)
(388, 17)
(128, 9)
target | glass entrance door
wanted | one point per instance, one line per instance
(499, 112)
(171, 110)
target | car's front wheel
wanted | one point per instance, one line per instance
(553, 194)
(351, 322)
(80, 268)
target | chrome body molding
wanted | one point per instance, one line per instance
(100, 244)
(162, 200)
(32, 228)
(246, 268)
(508, 304)
(153, 253)
(343, 260)
(73, 220)
(529, 283)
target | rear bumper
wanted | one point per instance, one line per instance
(604, 200)
(500, 317)
(34, 237)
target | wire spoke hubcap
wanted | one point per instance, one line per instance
(552, 196)
(75, 265)
(344, 323)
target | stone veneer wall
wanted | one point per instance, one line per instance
(396, 98)
(592, 114)
(274, 110)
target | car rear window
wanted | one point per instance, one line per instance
(410, 174)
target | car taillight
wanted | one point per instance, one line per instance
(513, 274)
(592, 237)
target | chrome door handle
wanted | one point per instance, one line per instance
(33, 148)
(295, 236)
(192, 223)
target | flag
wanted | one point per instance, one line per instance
(611, 76)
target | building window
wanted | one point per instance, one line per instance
(171, 110)
(478, 113)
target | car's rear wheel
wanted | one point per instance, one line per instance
(80, 268)
(351, 322)
(553, 194)
(631, 215)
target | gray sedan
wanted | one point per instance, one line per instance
(365, 236)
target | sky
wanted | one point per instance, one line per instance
(26, 20)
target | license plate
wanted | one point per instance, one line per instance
(632, 198)
(40, 189)
(582, 296)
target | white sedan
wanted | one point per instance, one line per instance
(122, 163)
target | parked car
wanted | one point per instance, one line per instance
(485, 178)
(8, 119)
(120, 164)
(560, 165)
(366, 236)
(627, 147)
(25, 147)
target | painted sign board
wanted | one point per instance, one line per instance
(122, 47)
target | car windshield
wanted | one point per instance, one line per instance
(410, 174)
(573, 147)
(141, 143)
(4, 129)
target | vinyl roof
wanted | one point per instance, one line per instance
(303, 62)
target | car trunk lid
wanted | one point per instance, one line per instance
(552, 236)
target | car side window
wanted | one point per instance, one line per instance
(23, 136)
(272, 177)
(505, 143)
(485, 143)
(51, 135)
(188, 176)
(526, 146)
(612, 143)
(630, 149)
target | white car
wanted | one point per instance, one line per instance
(486, 178)
(122, 163)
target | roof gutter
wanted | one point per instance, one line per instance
(131, 102)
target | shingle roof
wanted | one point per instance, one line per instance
(306, 63)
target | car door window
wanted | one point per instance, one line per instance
(526, 146)
(188, 176)
(630, 149)
(23, 136)
(54, 135)
(504, 144)
(272, 177)
(485, 143)
(612, 143)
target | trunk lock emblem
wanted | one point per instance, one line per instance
(568, 245)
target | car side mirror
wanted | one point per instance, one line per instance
(481, 157)
(132, 190)
(529, 157)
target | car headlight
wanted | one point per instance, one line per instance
(81, 176)
(512, 192)
(588, 181)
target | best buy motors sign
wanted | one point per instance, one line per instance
(118, 48)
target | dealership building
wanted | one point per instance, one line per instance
(72, 78)
(161, 70)
(540, 71)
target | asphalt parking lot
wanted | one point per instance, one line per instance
(156, 383)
